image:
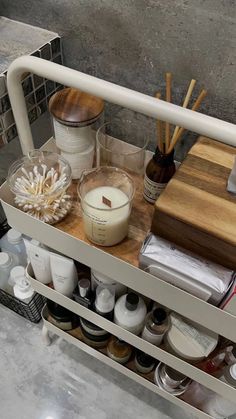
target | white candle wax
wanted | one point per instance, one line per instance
(106, 227)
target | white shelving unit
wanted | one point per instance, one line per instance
(121, 261)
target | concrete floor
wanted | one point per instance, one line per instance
(62, 382)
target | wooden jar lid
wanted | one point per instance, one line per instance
(73, 107)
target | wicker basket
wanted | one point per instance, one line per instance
(31, 311)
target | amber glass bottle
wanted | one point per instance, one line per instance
(159, 171)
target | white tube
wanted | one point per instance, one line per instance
(177, 115)
(64, 275)
(40, 262)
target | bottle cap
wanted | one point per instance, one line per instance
(22, 289)
(4, 260)
(14, 236)
(159, 315)
(84, 286)
(23, 284)
(143, 359)
(17, 272)
(132, 301)
(232, 371)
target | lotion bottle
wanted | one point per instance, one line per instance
(39, 258)
(130, 312)
(64, 274)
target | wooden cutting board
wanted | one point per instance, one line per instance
(195, 210)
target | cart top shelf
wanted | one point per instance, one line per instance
(119, 262)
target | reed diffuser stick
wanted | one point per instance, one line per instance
(185, 104)
(196, 105)
(168, 99)
(159, 128)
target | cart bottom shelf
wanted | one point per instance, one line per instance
(147, 380)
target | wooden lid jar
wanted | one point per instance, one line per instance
(74, 114)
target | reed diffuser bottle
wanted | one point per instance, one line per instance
(161, 167)
(159, 171)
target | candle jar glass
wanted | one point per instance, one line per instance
(111, 150)
(106, 195)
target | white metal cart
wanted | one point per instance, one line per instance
(121, 261)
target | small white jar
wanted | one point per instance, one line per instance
(130, 312)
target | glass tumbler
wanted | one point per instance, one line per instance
(123, 145)
(106, 195)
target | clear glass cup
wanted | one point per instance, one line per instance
(106, 195)
(112, 152)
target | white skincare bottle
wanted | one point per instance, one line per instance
(105, 301)
(64, 274)
(130, 312)
(39, 258)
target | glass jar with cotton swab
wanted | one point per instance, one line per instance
(40, 182)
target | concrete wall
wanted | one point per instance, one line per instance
(133, 42)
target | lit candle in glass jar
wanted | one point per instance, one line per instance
(106, 208)
(104, 225)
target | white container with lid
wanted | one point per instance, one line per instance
(188, 340)
(7, 262)
(98, 278)
(13, 242)
(130, 312)
(80, 161)
(75, 116)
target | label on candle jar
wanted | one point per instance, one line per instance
(152, 190)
